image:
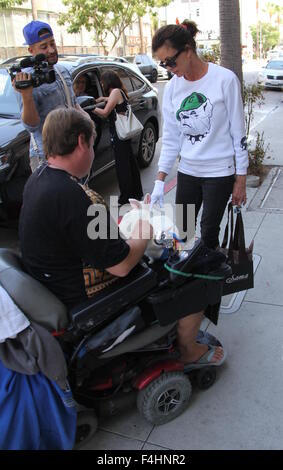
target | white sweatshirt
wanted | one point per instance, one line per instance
(204, 124)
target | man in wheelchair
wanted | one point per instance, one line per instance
(54, 238)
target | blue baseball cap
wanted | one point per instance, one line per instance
(31, 32)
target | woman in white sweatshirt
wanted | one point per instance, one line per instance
(203, 125)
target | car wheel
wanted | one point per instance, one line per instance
(147, 145)
(154, 75)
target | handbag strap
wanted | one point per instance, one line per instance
(124, 95)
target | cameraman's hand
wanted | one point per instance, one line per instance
(22, 77)
(30, 114)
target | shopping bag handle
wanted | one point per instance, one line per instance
(239, 238)
(226, 232)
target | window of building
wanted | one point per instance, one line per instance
(43, 17)
(6, 28)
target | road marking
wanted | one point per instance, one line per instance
(270, 188)
(170, 185)
(263, 118)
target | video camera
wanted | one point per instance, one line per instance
(42, 73)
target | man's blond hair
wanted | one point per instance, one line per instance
(61, 131)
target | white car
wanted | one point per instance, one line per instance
(271, 76)
(275, 54)
(162, 73)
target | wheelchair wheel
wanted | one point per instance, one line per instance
(206, 377)
(87, 424)
(164, 398)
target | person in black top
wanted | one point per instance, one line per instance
(54, 226)
(127, 170)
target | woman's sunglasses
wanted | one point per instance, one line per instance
(171, 61)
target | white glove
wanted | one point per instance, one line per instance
(157, 195)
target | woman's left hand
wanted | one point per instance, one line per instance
(239, 191)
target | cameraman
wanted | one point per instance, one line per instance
(36, 103)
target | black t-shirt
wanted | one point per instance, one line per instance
(55, 245)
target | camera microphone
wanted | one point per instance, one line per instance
(31, 61)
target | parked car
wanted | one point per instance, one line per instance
(163, 73)
(14, 139)
(146, 65)
(271, 76)
(275, 54)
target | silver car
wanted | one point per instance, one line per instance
(271, 76)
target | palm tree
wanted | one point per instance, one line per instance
(230, 36)
(270, 9)
(273, 9)
(278, 11)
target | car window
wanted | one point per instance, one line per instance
(139, 59)
(124, 76)
(275, 64)
(8, 101)
(138, 83)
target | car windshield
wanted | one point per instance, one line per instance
(275, 64)
(8, 102)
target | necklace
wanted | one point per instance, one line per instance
(55, 167)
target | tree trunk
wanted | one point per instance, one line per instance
(230, 36)
(34, 9)
(141, 35)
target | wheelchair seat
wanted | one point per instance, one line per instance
(32, 298)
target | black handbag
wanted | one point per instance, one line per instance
(239, 257)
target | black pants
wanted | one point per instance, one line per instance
(127, 169)
(213, 193)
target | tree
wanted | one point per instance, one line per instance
(106, 16)
(269, 36)
(230, 36)
(6, 4)
(274, 9)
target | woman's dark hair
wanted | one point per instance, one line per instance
(176, 36)
(111, 79)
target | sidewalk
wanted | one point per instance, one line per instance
(243, 409)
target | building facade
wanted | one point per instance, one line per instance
(13, 20)
(137, 37)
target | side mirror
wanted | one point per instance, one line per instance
(86, 102)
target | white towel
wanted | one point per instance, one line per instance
(12, 320)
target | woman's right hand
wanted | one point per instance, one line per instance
(157, 195)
